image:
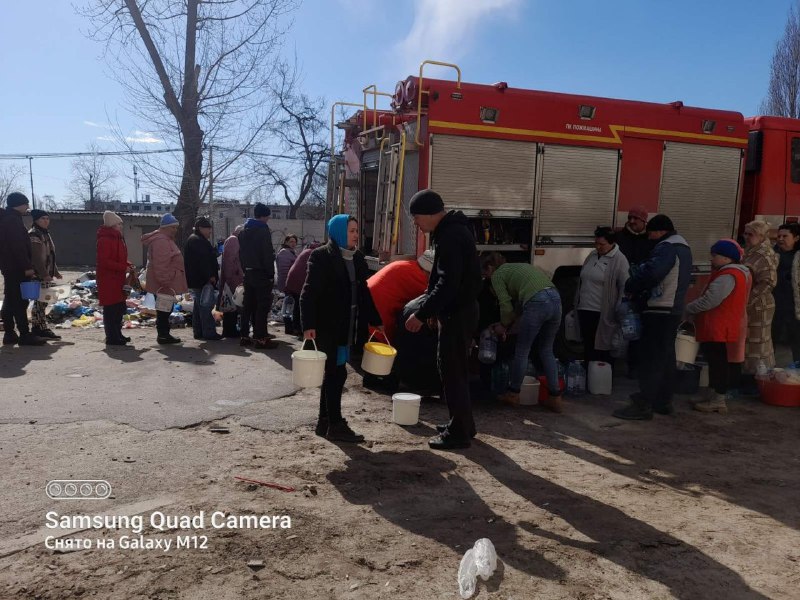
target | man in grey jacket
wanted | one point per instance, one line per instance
(660, 284)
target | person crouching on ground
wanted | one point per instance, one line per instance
(721, 322)
(335, 290)
(112, 269)
(528, 287)
(165, 272)
(200, 262)
(43, 256)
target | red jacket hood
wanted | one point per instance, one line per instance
(108, 232)
(149, 238)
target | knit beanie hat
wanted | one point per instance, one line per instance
(261, 210)
(728, 249)
(660, 223)
(37, 214)
(169, 221)
(202, 222)
(15, 199)
(425, 260)
(639, 212)
(110, 219)
(426, 202)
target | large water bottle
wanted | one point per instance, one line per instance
(761, 370)
(288, 306)
(571, 378)
(487, 350)
(580, 379)
(631, 322)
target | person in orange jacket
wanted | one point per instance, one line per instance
(720, 317)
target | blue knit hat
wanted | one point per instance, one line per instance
(168, 220)
(728, 249)
(337, 229)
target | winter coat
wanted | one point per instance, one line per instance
(635, 246)
(15, 246)
(200, 261)
(325, 298)
(297, 273)
(664, 277)
(43, 253)
(255, 248)
(722, 310)
(762, 262)
(231, 272)
(284, 261)
(455, 279)
(112, 266)
(394, 286)
(616, 275)
(165, 270)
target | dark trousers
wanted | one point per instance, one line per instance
(112, 321)
(657, 365)
(330, 397)
(230, 322)
(15, 308)
(257, 301)
(722, 375)
(786, 330)
(455, 340)
(162, 323)
(589, 320)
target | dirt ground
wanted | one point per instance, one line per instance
(578, 505)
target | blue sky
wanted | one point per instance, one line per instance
(56, 88)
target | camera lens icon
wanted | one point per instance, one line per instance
(78, 489)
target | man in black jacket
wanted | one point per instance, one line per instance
(257, 256)
(200, 261)
(452, 301)
(16, 265)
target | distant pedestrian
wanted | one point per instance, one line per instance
(112, 270)
(786, 323)
(16, 264)
(659, 284)
(202, 270)
(43, 255)
(294, 283)
(284, 260)
(165, 273)
(335, 291)
(451, 307)
(231, 274)
(258, 261)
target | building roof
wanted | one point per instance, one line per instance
(100, 212)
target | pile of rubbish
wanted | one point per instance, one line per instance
(78, 307)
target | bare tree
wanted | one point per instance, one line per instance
(301, 133)
(92, 183)
(783, 94)
(11, 177)
(197, 72)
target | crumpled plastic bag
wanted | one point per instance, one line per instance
(480, 560)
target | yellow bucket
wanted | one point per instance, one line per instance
(378, 358)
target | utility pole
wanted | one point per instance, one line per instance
(211, 176)
(30, 169)
(135, 185)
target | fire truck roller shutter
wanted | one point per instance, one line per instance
(578, 190)
(699, 191)
(483, 174)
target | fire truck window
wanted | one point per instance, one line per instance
(795, 167)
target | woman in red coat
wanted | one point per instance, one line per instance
(112, 270)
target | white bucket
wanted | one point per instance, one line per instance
(686, 347)
(378, 358)
(529, 391)
(600, 376)
(165, 302)
(405, 408)
(308, 367)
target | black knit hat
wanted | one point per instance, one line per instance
(202, 222)
(37, 214)
(261, 210)
(660, 223)
(15, 199)
(426, 202)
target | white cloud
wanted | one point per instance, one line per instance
(138, 137)
(93, 124)
(445, 29)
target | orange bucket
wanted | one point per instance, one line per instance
(779, 394)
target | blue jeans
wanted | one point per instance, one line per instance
(203, 322)
(541, 318)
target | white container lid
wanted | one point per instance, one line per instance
(405, 397)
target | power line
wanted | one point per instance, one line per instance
(31, 155)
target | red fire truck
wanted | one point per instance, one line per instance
(536, 171)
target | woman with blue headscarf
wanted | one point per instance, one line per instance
(334, 293)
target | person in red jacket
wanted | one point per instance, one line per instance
(112, 270)
(720, 317)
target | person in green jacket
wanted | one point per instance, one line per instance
(523, 286)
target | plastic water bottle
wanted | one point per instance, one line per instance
(631, 322)
(571, 378)
(761, 370)
(580, 376)
(487, 350)
(288, 306)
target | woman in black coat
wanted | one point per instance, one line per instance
(334, 292)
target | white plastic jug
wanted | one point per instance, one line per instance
(405, 408)
(600, 376)
(529, 392)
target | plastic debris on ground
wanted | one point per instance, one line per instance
(480, 560)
